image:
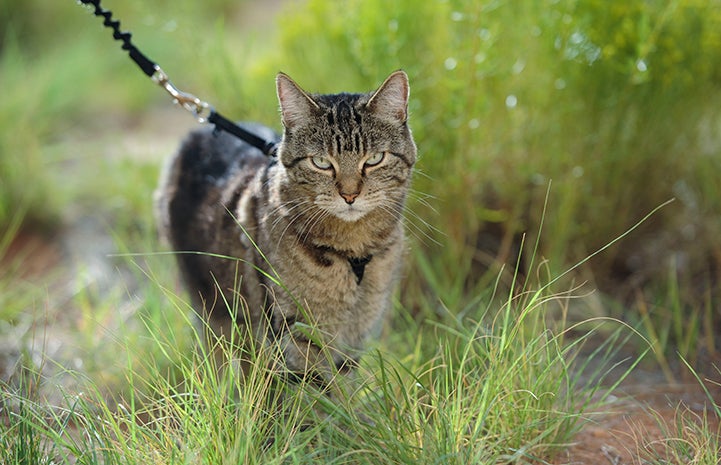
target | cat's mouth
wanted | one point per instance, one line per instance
(349, 213)
(341, 209)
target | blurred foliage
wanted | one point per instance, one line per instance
(65, 72)
(611, 106)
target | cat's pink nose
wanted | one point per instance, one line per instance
(349, 198)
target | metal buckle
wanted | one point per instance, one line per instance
(199, 109)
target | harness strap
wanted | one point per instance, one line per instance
(266, 146)
(358, 265)
(202, 111)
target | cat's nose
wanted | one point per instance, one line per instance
(349, 187)
(349, 198)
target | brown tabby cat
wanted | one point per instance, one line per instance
(313, 238)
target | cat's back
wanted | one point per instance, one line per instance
(198, 187)
(194, 179)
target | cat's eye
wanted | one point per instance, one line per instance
(322, 163)
(375, 159)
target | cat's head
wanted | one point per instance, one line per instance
(348, 154)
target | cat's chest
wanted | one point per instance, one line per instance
(327, 277)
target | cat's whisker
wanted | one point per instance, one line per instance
(416, 216)
(420, 233)
(312, 222)
(309, 207)
(418, 172)
(302, 214)
(295, 204)
(410, 220)
(409, 212)
(422, 198)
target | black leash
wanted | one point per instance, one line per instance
(202, 111)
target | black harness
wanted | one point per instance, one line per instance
(358, 265)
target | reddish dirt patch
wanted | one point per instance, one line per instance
(629, 429)
(31, 254)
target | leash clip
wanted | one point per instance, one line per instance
(200, 110)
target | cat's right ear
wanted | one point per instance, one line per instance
(390, 101)
(295, 105)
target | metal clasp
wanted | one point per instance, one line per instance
(200, 110)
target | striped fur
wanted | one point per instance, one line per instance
(324, 218)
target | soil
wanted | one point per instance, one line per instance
(636, 422)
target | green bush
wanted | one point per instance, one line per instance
(611, 105)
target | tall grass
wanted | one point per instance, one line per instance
(692, 437)
(502, 389)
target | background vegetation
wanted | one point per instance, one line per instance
(612, 105)
(546, 130)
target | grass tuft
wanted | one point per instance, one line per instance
(506, 387)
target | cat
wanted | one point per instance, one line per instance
(311, 238)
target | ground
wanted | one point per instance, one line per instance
(635, 420)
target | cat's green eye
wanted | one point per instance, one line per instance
(322, 163)
(375, 159)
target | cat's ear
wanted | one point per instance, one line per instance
(295, 105)
(390, 101)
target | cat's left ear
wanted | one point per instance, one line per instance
(295, 105)
(390, 101)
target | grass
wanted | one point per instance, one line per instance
(692, 438)
(506, 387)
(483, 360)
(498, 390)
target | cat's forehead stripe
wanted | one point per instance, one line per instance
(344, 121)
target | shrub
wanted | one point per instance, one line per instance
(611, 104)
